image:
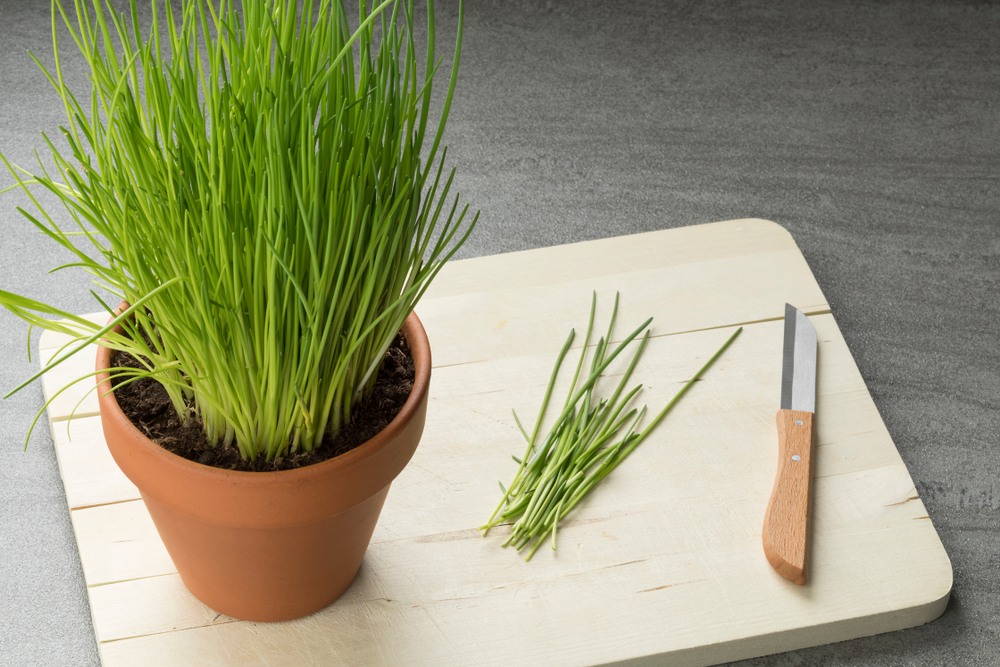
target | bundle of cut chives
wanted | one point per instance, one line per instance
(583, 446)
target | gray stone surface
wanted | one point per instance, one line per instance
(871, 131)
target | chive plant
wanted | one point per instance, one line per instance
(583, 445)
(255, 183)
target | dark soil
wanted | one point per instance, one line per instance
(146, 404)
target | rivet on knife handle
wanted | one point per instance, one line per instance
(786, 521)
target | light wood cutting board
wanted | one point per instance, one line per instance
(661, 564)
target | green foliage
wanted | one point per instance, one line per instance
(252, 182)
(583, 445)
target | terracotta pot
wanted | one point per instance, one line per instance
(269, 546)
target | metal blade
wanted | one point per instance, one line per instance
(798, 362)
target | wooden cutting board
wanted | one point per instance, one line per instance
(661, 564)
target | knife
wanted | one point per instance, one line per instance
(786, 521)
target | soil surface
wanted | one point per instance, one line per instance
(146, 404)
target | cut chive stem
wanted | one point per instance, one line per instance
(582, 446)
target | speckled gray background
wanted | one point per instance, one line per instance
(871, 131)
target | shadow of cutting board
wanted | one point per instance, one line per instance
(661, 564)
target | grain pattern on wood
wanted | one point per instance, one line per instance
(50, 340)
(426, 600)
(671, 539)
(90, 475)
(786, 521)
(590, 260)
(118, 542)
(148, 606)
(683, 298)
(70, 385)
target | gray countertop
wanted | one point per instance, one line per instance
(871, 131)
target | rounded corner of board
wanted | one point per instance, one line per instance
(937, 594)
(940, 598)
(763, 223)
(765, 228)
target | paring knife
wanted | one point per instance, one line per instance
(786, 522)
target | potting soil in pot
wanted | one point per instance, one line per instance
(146, 404)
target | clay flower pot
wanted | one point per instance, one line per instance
(269, 546)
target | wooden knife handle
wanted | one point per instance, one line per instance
(786, 522)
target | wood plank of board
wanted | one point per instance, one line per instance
(89, 473)
(70, 385)
(602, 619)
(469, 620)
(589, 260)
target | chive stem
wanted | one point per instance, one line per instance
(582, 446)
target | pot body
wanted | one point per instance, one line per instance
(269, 546)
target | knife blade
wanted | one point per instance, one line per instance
(786, 521)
